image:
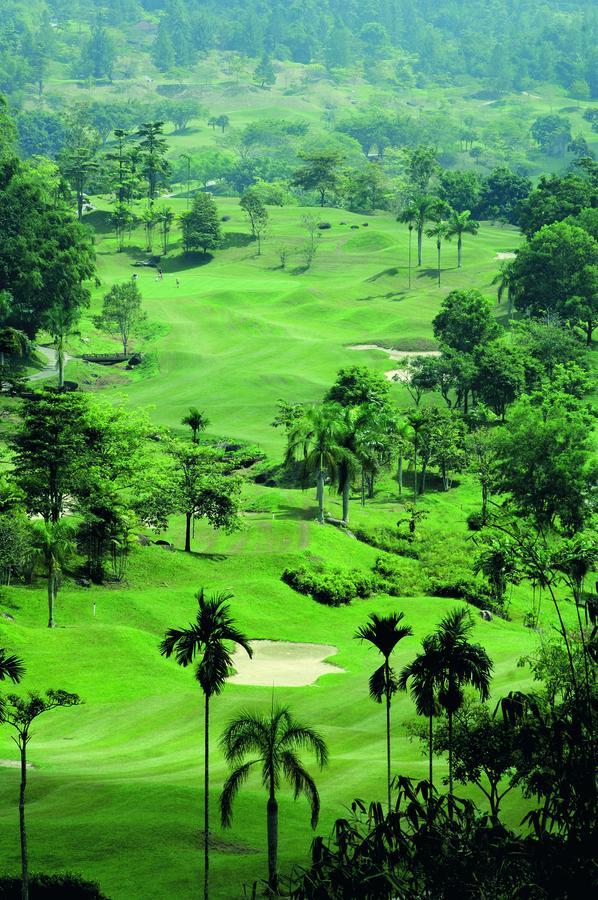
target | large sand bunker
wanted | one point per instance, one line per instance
(283, 664)
(396, 374)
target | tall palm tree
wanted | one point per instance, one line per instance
(275, 739)
(314, 439)
(197, 421)
(440, 231)
(460, 663)
(351, 422)
(384, 633)
(53, 545)
(207, 637)
(461, 223)
(423, 673)
(415, 215)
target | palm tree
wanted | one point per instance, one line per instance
(53, 545)
(461, 223)
(440, 231)
(460, 663)
(197, 421)
(275, 739)
(352, 421)
(314, 438)
(504, 280)
(11, 667)
(423, 672)
(415, 215)
(207, 637)
(384, 633)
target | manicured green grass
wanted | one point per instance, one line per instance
(116, 788)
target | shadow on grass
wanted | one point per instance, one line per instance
(185, 261)
(297, 512)
(236, 239)
(384, 273)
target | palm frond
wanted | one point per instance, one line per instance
(230, 790)
(303, 736)
(11, 667)
(247, 732)
(302, 783)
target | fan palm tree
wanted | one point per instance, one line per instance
(461, 223)
(315, 438)
(440, 231)
(197, 421)
(460, 663)
(53, 545)
(275, 740)
(415, 215)
(423, 673)
(207, 637)
(384, 633)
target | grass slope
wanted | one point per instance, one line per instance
(116, 788)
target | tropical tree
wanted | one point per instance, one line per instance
(504, 281)
(423, 672)
(122, 314)
(275, 739)
(460, 663)
(53, 545)
(441, 232)
(315, 439)
(197, 421)
(498, 562)
(19, 714)
(164, 218)
(461, 223)
(415, 215)
(384, 633)
(207, 637)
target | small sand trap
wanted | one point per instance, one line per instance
(395, 354)
(283, 664)
(13, 764)
(505, 256)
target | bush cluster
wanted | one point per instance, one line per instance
(387, 539)
(327, 585)
(67, 886)
(399, 577)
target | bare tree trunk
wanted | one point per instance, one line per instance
(23, 832)
(51, 596)
(320, 496)
(450, 754)
(272, 842)
(459, 245)
(188, 532)
(400, 474)
(206, 802)
(346, 492)
(388, 776)
(431, 741)
(420, 238)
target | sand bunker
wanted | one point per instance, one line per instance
(283, 664)
(13, 764)
(505, 256)
(404, 374)
(395, 354)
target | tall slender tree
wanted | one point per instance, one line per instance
(418, 211)
(384, 633)
(423, 672)
(275, 740)
(19, 714)
(315, 439)
(440, 232)
(461, 223)
(197, 421)
(460, 663)
(53, 545)
(207, 637)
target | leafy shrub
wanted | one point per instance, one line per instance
(387, 539)
(323, 226)
(67, 886)
(327, 585)
(462, 586)
(399, 577)
(474, 521)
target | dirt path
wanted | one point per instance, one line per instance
(283, 664)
